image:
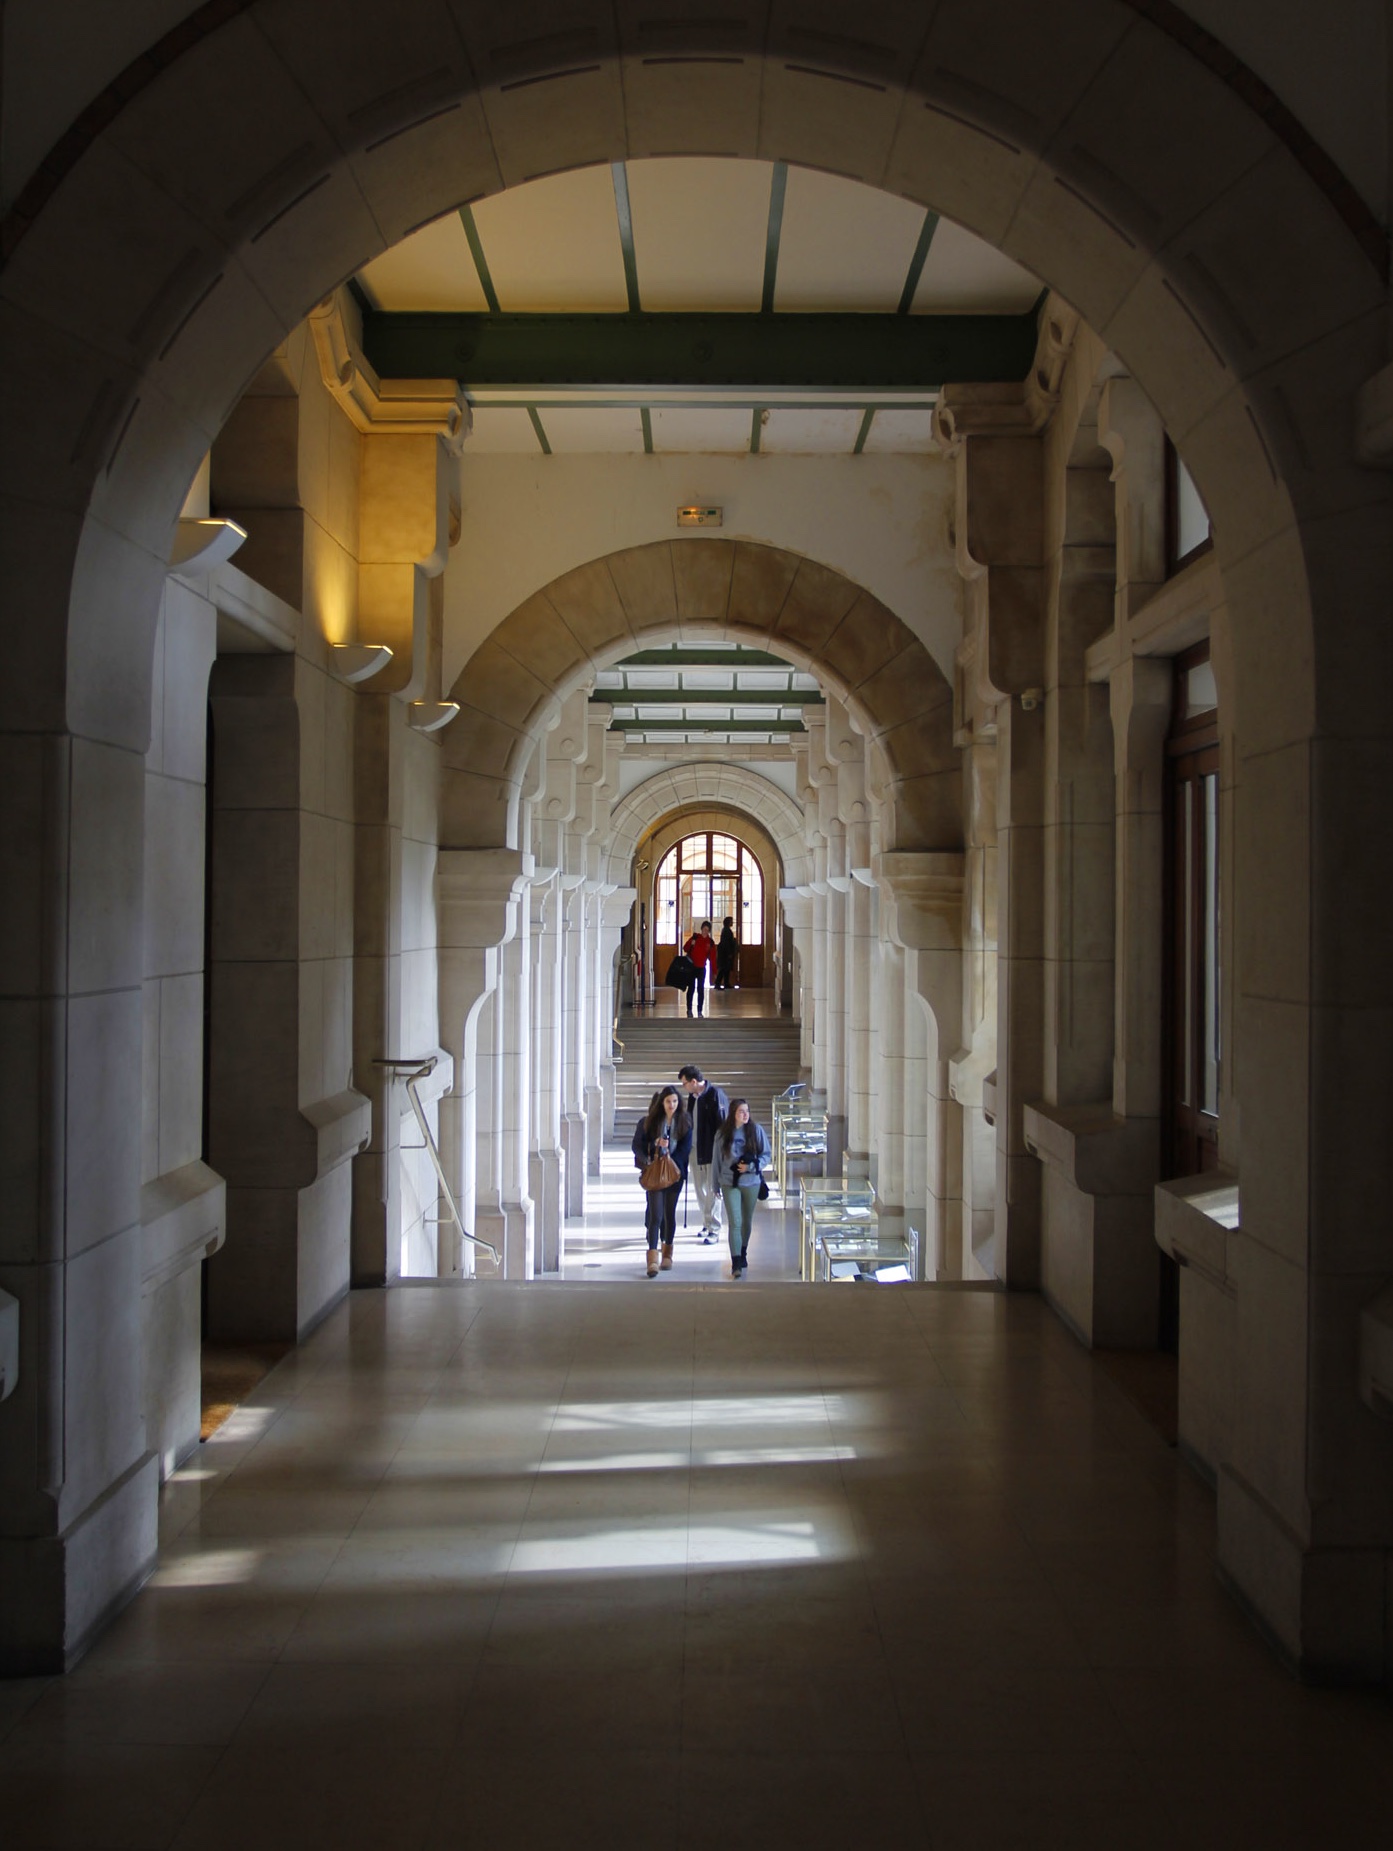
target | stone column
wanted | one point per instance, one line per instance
(545, 1164)
(478, 893)
(993, 433)
(923, 902)
(972, 1069)
(887, 1128)
(379, 722)
(513, 1013)
(616, 909)
(573, 901)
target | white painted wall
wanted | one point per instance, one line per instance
(881, 520)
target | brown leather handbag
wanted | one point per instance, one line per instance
(660, 1173)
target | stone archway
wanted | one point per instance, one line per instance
(738, 591)
(261, 158)
(706, 786)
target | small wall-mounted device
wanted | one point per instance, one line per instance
(699, 517)
(1031, 698)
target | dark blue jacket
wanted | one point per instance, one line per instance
(645, 1149)
(708, 1109)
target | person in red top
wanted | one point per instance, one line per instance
(702, 951)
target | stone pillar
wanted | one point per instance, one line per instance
(78, 1482)
(573, 901)
(478, 894)
(923, 907)
(888, 1123)
(379, 723)
(616, 910)
(545, 1164)
(972, 1068)
(993, 433)
(513, 1053)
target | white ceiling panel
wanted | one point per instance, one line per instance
(699, 232)
(500, 430)
(593, 429)
(894, 432)
(432, 269)
(964, 275)
(554, 244)
(810, 433)
(676, 428)
(844, 246)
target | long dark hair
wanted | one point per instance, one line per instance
(656, 1120)
(729, 1127)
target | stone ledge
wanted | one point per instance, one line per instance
(1196, 1218)
(342, 1124)
(1100, 1153)
(183, 1218)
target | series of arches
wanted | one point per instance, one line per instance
(266, 154)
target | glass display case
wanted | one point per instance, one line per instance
(851, 1251)
(800, 1134)
(827, 1202)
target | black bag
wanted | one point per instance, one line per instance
(680, 972)
(763, 1190)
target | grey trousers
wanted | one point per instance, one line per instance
(708, 1195)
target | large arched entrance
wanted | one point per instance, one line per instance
(214, 234)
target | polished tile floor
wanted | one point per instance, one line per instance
(532, 1566)
(607, 1242)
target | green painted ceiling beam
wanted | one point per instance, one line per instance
(902, 352)
(708, 726)
(713, 655)
(705, 697)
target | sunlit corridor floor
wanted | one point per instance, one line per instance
(530, 1566)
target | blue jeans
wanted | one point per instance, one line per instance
(740, 1217)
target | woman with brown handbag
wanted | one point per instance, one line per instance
(662, 1144)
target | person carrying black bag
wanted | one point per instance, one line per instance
(665, 1131)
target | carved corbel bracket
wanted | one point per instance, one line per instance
(402, 407)
(797, 903)
(923, 895)
(616, 906)
(477, 893)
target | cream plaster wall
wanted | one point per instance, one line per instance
(880, 520)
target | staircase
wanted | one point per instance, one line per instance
(751, 1057)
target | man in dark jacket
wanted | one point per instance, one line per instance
(708, 1105)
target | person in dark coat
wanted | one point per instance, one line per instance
(665, 1129)
(708, 1106)
(727, 951)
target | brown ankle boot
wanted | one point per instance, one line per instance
(652, 1262)
(666, 1264)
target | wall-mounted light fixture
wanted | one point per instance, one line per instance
(430, 716)
(354, 662)
(202, 545)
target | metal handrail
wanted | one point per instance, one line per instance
(412, 1071)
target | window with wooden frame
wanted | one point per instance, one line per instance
(1193, 978)
(1187, 519)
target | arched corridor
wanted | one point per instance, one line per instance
(453, 457)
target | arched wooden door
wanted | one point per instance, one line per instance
(712, 876)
